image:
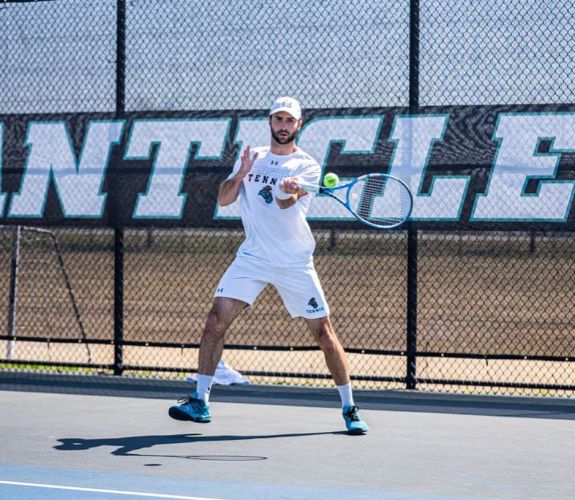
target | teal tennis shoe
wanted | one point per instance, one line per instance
(353, 421)
(191, 408)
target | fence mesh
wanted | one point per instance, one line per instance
(214, 55)
(494, 309)
(58, 56)
(492, 53)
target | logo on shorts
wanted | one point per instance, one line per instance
(266, 194)
(314, 305)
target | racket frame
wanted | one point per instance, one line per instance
(329, 191)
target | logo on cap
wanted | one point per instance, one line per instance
(287, 104)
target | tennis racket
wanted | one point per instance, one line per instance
(379, 200)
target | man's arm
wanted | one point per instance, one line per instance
(290, 186)
(230, 189)
(308, 173)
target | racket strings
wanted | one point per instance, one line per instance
(380, 200)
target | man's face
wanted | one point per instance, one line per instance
(284, 127)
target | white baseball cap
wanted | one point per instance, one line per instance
(287, 104)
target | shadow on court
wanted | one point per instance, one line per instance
(127, 446)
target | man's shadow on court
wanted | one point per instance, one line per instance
(129, 445)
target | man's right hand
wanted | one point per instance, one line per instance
(230, 188)
(247, 162)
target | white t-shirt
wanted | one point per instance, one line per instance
(281, 237)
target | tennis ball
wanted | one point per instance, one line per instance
(330, 180)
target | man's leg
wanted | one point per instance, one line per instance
(324, 334)
(195, 407)
(224, 311)
(338, 366)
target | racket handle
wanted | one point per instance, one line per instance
(310, 188)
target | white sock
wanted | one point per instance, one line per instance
(345, 394)
(204, 386)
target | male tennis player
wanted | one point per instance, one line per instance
(277, 250)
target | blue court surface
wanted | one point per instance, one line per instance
(73, 437)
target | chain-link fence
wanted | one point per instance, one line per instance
(489, 52)
(453, 302)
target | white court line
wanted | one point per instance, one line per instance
(95, 490)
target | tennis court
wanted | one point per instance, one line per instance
(72, 437)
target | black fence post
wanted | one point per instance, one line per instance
(411, 361)
(118, 300)
(118, 227)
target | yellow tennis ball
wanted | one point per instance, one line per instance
(330, 180)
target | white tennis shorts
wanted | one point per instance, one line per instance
(299, 288)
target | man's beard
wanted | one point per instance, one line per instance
(284, 139)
